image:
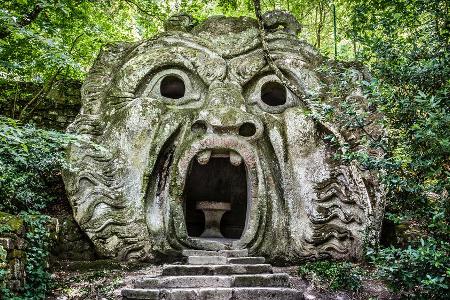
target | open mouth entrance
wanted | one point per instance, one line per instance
(216, 197)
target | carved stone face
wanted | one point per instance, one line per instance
(192, 130)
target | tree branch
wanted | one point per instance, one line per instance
(342, 143)
(24, 21)
(47, 87)
(293, 88)
(144, 11)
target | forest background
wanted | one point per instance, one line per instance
(403, 43)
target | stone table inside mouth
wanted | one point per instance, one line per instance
(213, 214)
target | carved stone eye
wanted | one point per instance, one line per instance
(273, 93)
(172, 87)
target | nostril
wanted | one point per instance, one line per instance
(199, 127)
(247, 129)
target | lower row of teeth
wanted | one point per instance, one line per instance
(204, 156)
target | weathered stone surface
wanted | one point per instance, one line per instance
(185, 282)
(131, 185)
(207, 260)
(12, 254)
(198, 281)
(181, 270)
(14, 247)
(220, 282)
(246, 260)
(214, 294)
(226, 253)
(261, 280)
(72, 243)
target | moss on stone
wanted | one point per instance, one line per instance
(11, 223)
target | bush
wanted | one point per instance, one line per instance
(30, 159)
(3, 270)
(421, 272)
(333, 275)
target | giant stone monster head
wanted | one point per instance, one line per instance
(192, 141)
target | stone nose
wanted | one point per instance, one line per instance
(228, 120)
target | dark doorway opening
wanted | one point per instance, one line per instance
(216, 181)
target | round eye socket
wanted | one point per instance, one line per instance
(273, 93)
(172, 87)
(247, 129)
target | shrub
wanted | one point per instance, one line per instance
(333, 275)
(421, 272)
(30, 159)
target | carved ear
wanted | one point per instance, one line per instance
(179, 22)
(275, 19)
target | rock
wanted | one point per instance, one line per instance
(226, 281)
(195, 115)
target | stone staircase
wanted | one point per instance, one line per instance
(215, 275)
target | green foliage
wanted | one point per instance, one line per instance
(38, 243)
(332, 274)
(406, 44)
(3, 270)
(420, 272)
(30, 159)
(418, 151)
(40, 38)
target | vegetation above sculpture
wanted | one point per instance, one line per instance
(404, 43)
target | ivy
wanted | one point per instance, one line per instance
(38, 239)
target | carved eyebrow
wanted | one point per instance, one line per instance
(147, 78)
(245, 67)
(151, 58)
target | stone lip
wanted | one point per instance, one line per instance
(245, 149)
(212, 142)
(211, 205)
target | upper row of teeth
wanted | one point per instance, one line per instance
(204, 156)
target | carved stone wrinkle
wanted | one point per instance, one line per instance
(194, 122)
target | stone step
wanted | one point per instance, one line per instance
(248, 260)
(226, 253)
(228, 269)
(220, 260)
(213, 294)
(184, 282)
(262, 280)
(255, 280)
(207, 260)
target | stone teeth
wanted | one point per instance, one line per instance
(203, 157)
(235, 158)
